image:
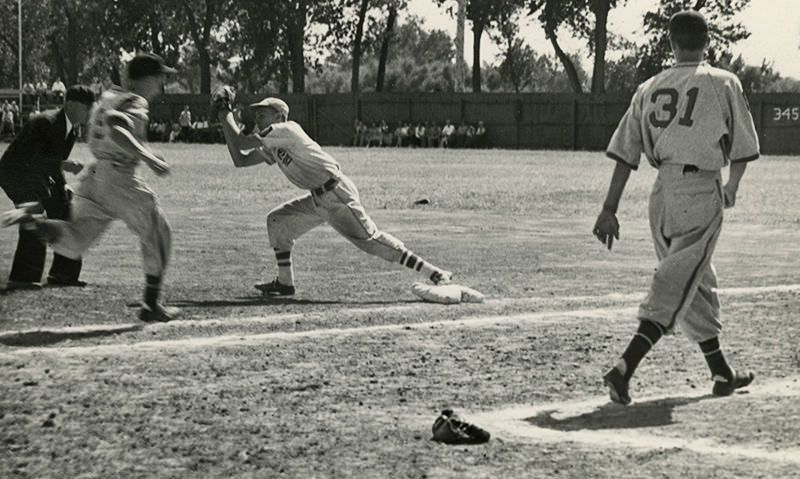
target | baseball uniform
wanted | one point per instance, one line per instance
(690, 121)
(109, 188)
(332, 198)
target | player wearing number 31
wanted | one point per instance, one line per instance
(690, 121)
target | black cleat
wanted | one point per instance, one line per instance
(449, 428)
(275, 288)
(54, 282)
(723, 387)
(442, 277)
(617, 387)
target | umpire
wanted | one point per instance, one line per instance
(31, 170)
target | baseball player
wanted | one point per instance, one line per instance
(690, 121)
(331, 196)
(109, 188)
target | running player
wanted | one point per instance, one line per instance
(690, 121)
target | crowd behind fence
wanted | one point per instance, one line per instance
(422, 134)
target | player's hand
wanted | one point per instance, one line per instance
(158, 165)
(729, 195)
(606, 228)
(71, 166)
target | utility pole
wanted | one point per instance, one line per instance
(461, 67)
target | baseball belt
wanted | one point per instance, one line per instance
(326, 187)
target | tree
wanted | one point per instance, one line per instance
(362, 14)
(391, 19)
(723, 31)
(461, 13)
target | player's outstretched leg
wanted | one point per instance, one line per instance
(618, 378)
(432, 272)
(726, 380)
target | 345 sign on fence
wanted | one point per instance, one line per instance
(784, 114)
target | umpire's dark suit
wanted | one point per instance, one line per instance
(30, 170)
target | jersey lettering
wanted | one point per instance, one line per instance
(283, 155)
(670, 106)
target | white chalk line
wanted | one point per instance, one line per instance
(510, 423)
(290, 317)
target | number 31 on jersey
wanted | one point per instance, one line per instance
(668, 98)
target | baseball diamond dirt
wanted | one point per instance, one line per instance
(345, 378)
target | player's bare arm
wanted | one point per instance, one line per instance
(732, 186)
(244, 149)
(127, 141)
(606, 228)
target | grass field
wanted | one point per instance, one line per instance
(345, 379)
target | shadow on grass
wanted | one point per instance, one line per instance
(46, 338)
(653, 413)
(267, 300)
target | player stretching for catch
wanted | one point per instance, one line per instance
(690, 121)
(110, 189)
(332, 197)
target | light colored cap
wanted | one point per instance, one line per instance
(275, 103)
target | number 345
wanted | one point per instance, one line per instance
(787, 113)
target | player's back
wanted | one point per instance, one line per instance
(686, 113)
(120, 107)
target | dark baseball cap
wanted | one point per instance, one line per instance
(80, 94)
(688, 22)
(147, 64)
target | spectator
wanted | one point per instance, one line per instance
(434, 133)
(448, 135)
(408, 134)
(386, 134)
(107, 83)
(58, 89)
(398, 134)
(469, 139)
(185, 122)
(6, 119)
(175, 133)
(419, 135)
(461, 135)
(374, 135)
(480, 135)
(41, 90)
(356, 133)
(15, 110)
(29, 93)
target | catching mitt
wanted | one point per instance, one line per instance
(449, 428)
(222, 99)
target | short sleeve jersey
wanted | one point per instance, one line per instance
(131, 110)
(299, 157)
(690, 114)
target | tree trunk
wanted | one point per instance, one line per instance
(460, 67)
(296, 36)
(387, 39)
(354, 80)
(204, 60)
(569, 67)
(477, 33)
(600, 8)
(73, 50)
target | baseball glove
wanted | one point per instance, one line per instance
(449, 428)
(222, 99)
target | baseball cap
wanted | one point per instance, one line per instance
(80, 94)
(147, 64)
(688, 22)
(275, 103)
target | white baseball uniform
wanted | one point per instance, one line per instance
(690, 121)
(109, 188)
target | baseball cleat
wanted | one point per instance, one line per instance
(159, 314)
(617, 387)
(23, 214)
(442, 277)
(449, 428)
(275, 288)
(723, 387)
(54, 282)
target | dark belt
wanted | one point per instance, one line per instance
(326, 187)
(690, 169)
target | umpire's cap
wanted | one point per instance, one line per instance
(275, 103)
(688, 22)
(147, 64)
(80, 94)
